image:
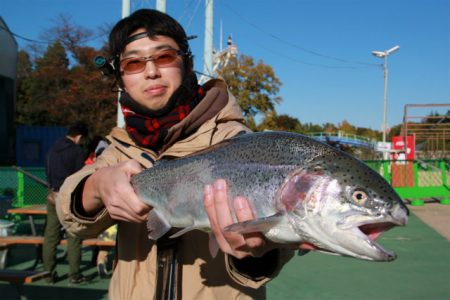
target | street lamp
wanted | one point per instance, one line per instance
(385, 54)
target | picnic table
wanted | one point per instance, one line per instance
(37, 239)
(30, 211)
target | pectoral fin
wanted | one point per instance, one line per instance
(213, 245)
(156, 224)
(256, 225)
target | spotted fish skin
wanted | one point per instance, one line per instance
(301, 190)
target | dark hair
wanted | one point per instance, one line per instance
(78, 128)
(155, 23)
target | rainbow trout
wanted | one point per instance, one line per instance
(301, 191)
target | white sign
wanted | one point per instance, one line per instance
(384, 146)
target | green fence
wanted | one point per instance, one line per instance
(19, 190)
(417, 180)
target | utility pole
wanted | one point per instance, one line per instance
(125, 13)
(209, 30)
(161, 5)
(384, 55)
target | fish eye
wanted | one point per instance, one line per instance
(359, 196)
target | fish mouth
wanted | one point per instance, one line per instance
(374, 230)
(368, 228)
(371, 232)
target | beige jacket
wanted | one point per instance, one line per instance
(203, 277)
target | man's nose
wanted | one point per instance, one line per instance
(151, 69)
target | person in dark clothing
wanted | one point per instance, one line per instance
(64, 158)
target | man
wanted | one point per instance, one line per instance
(64, 158)
(167, 115)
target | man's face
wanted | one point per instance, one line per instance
(153, 86)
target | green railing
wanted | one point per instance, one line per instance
(417, 180)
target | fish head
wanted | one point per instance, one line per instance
(340, 205)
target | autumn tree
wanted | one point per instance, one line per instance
(58, 89)
(23, 103)
(346, 127)
(272, 121)
(42, 87)
(255, 86)
(329, 127)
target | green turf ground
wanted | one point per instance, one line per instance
(421, 271)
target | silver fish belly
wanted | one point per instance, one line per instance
(301, 191)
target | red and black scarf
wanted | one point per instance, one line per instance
(148, 128)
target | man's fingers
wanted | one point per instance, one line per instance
(210, 208)
(221, 202)
(224, 216)
(242, 209)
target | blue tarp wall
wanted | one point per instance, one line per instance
(33, 143)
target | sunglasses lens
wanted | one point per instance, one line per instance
(134, 65)
(137, 64)
(165, 57)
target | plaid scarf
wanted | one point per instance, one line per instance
(147, 128)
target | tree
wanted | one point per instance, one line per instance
(346, 127)
(255, 86)
(272, 121)
(56, 90)
(40, 90)
(24, 69)
(329, 127)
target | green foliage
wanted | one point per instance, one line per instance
(255, 86)
(280, 122)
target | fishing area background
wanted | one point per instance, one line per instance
(421, 271)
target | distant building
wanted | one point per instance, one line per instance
(8, 72)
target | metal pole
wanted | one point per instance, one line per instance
(125, 8)
(125, 13)
(161, 5)
(385, 103)
(208, 55)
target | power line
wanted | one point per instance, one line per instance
(50, 41)
(24, 38)
(312, 52)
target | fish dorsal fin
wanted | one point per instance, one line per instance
(256, 225)
(157, 226)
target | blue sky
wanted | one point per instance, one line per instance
(319, 49)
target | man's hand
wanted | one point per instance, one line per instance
(220, 216)
(111, 187)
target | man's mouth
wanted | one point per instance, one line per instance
(156, 89)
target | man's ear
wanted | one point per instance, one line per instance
(77, 139)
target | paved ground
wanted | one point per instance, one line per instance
(435, 215)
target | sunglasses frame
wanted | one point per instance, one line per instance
(146, 59)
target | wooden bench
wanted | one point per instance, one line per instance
(6, 241)
(20, 277)
(13, 240)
